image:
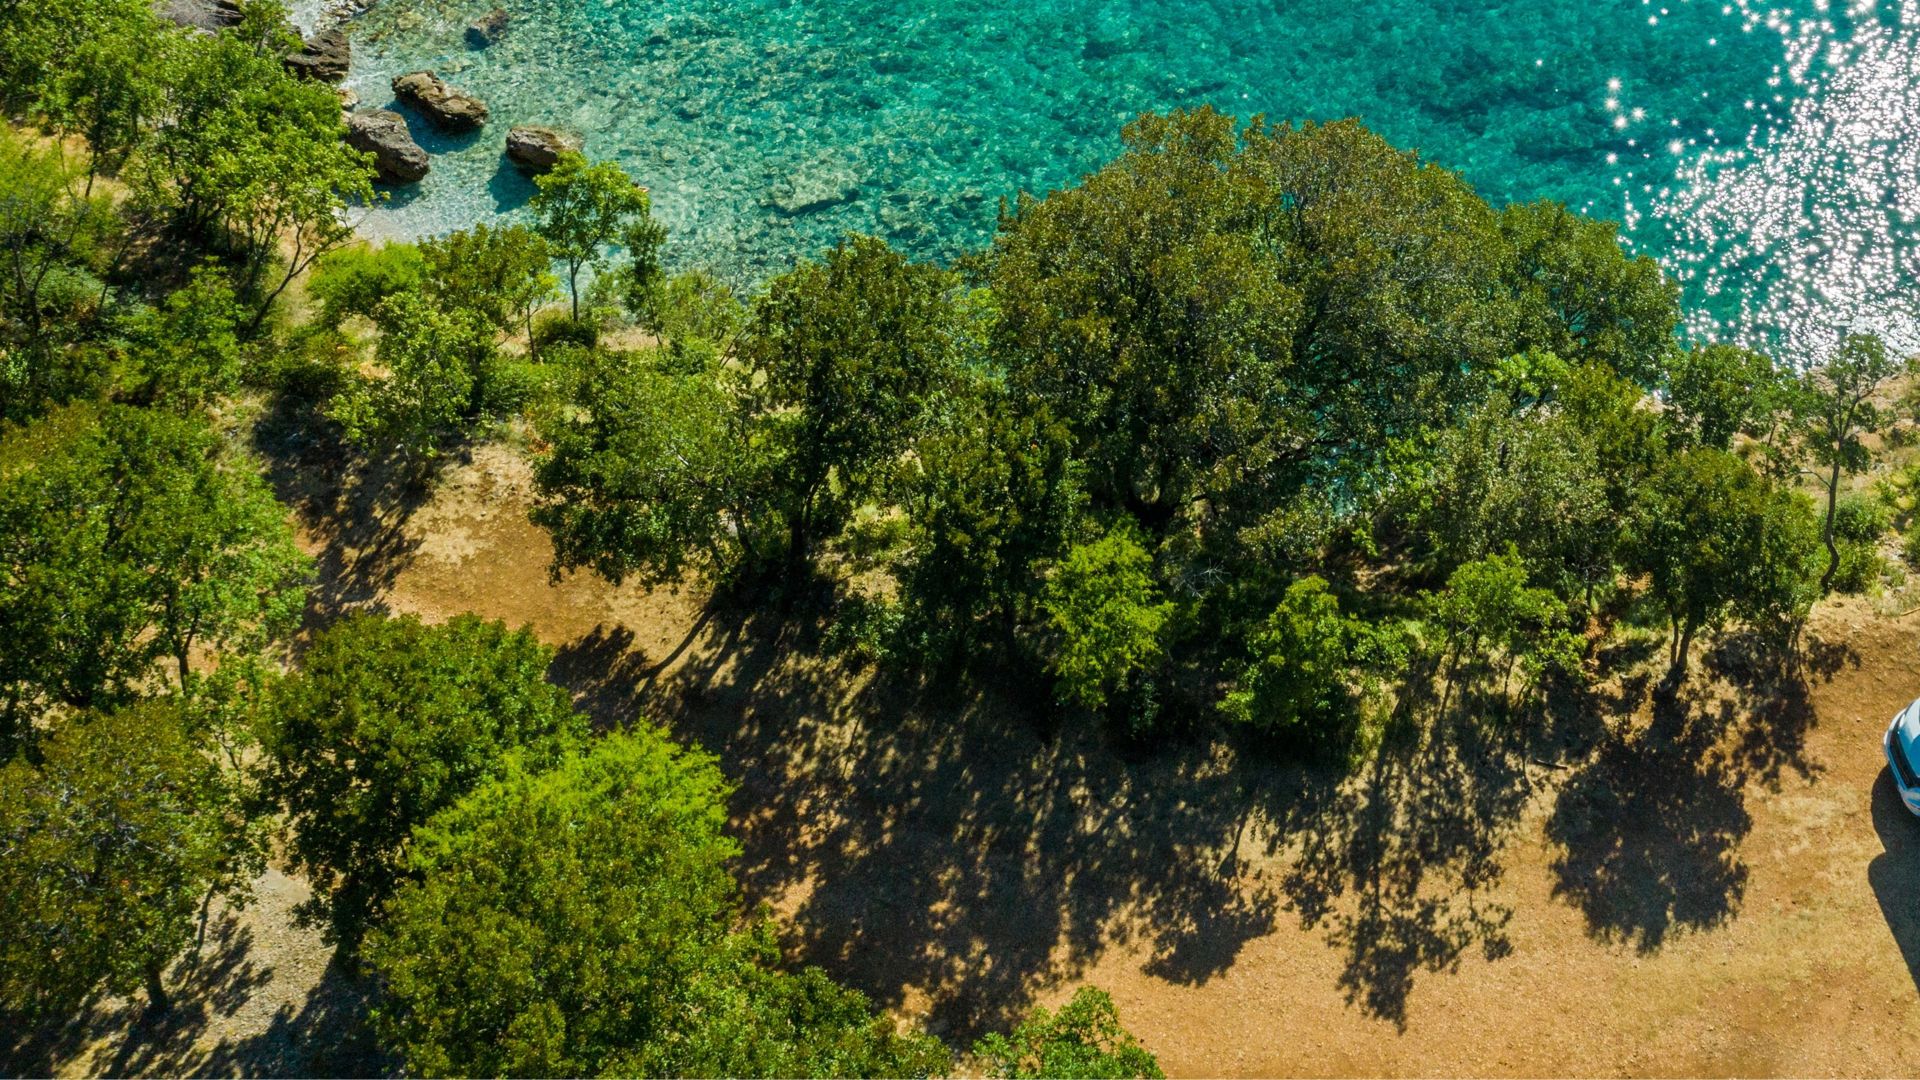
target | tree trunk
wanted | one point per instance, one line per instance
(1833, 549)
(573, 288)
(158, 1003)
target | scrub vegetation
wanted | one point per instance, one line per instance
(1262, 434)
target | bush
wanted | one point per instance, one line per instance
(1294, 686)
(1106, 614)
(558, 328)
(1858, 524)
(355, 280)
(1083, 1040)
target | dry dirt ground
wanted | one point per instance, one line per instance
(1720, 885)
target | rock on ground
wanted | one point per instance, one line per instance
(200, 14)
(447, 108)
(383, 133)
(536, 149)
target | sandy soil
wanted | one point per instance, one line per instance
(1724, 885)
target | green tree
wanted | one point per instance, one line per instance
(1834, 407)
(185, 352)
(53, 246)
(1083, 1040)
(111, 848)
(253, 157)
(1530, 478)
(580, 921)
(435, 366)
(1492, 620)
(388, 722)
(1717, 391)
(646, 474)
(130, 543)
(42, 41)
(504, 274)
(1296, 684)
(109, 89)
(992, 495)
(581, 208)
(1715, 539)
(698, 317)
(1584, 299)
(843, 359)
(1106, 613)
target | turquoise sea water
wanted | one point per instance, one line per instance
(1770, 155)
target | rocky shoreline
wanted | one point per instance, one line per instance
(326, 56)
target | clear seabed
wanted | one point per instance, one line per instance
(1768, 155)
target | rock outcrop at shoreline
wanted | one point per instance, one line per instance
(447, 108)
(383, 133)
(536, 149)
(324, 58)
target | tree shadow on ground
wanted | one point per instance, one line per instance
(1649, 829)
(951, 854)
(326, 1036)
(1895, 872)
(938, 849)
(1397, 863)
(357, 509)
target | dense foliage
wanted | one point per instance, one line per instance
(1083, 1039)
(388, 722)
(110, 847)
(1268, 429)
(580, 922)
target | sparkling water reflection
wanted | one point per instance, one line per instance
(1767, 153)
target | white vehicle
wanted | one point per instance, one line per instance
(1902, 744)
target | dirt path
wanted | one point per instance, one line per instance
(1716, 890)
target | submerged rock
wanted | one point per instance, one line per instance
(448, 108)
(489, 29)
(383, 133)
(813, 190)
(324, 58)
(536, 149)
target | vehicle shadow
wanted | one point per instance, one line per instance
(1895, 872)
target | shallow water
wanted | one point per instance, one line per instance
(1769, 155)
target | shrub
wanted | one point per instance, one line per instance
(1083, 1040)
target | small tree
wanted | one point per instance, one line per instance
(109, 848)
(1106, 614)
(581, 208)
(1493, 620)
(254, 156)
(388, 722)
(435, 363)
(1296, 681)
(1717, 391)
(581, 922)
(1083, 1040)
(1833, 408)
(503, 274)
(1716, 539)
